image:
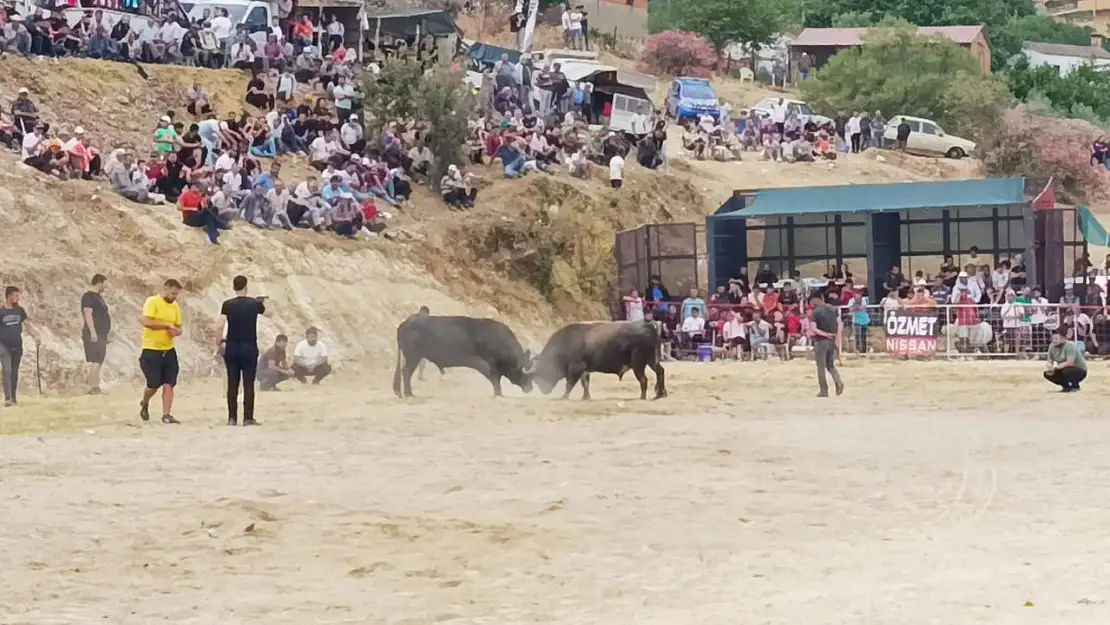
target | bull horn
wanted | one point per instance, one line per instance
(530, 368)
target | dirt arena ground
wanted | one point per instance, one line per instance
(928, 493)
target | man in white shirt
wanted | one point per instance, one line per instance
(734, 332)
(693, 327)
(351, 134)
(344, 94)
(32, 142)
(616, 171)
(310, 357)
(221, 27)
(964, 285)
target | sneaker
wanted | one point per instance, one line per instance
(169, 420)
(232, 421)
(9, 404)
(840, 389)
(247, 422)
(822, 394)
(144, 411)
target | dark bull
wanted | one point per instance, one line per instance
(578, 349)
(487, 346)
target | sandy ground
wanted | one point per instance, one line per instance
(901, 502)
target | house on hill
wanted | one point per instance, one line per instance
(821, 44)
(1066, 58)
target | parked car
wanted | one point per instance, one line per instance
(690, 98)
(805, 113)
(928, 138)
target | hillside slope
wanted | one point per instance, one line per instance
(535, 252)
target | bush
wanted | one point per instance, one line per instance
(1039, 148)
(437, 97)
(678, 53)
(946, 84)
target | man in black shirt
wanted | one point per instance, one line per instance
(240, 345)
(1018, 277)
(12, 320)
(96, 323)
(826, 344)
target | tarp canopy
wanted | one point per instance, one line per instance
(871, 198)
(406, 23)
(487, 54)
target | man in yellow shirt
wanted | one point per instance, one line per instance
(158, 361)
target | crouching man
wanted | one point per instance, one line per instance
(310, 358)
(272, 367)
(1066, 365)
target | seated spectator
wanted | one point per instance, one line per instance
(197, 101)
(272, 367)
(693, 328)
(735, 336)
(256, 93)
(351, 134)
(310, 358)
(454, 190)
(242, 55)
(759, 335)
(196, 213)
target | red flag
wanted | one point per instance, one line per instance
(1046, 199)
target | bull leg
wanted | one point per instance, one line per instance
(490, 374)
(572, 380)
(495, 380)
(660, 384)
(586, 386)
(641, 377)
(406, 376)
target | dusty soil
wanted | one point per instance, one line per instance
(739, 494)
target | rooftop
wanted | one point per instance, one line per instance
(854, 36)
(1063, 49)
(873, 198)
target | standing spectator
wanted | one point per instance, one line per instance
(878, 127)
(24, 111)
(310, 357)
(692, 302)
(616, 171)
(12, 320)
(805, 66)
(861, 320)
(1012, 315)
(633, 306)
(95, 327)
(335, 33)
(853, 130)
(903, 135)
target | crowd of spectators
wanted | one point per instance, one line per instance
(534, 120)
(990, 308)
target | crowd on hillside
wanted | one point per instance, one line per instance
(994, 310)
(535, 120)
(783, 134)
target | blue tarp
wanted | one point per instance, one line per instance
(488, 55)
(871, 198)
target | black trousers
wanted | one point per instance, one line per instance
(241, 360)
(1068, 377)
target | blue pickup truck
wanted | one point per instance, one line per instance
(690, 98)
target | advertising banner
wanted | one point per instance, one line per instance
(912, 333)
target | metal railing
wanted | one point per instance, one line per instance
(953, 331)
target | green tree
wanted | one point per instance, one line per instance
(754, 23)
(946, 83)
(437, 98)
(990, 13)
(1083, 93)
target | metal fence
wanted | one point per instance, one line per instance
(956, 332)
(674, 252)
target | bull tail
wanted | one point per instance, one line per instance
(397, 372)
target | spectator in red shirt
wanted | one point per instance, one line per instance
(196, 213)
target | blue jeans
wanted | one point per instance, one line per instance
(513, 168)
(269, 150)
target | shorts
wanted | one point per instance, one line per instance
(95, 352)
(159, 368)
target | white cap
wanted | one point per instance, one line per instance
(963, 274)
(23, 90)
(166, 119)
(353, 118)
(79, 130)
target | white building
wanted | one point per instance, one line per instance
(1066, 58)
